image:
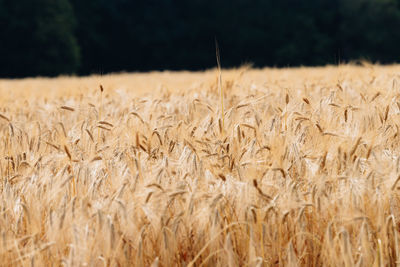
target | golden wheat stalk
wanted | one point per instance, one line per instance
(217, 54)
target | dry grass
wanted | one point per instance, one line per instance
(304, 170)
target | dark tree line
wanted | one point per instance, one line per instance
(52, 37)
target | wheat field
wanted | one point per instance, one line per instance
(301, 169)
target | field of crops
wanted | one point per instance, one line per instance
(301, 168)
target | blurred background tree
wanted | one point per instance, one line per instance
(37, 38)
(52, 37)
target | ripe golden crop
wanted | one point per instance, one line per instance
(296, 167)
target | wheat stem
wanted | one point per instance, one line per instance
(220, 83)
